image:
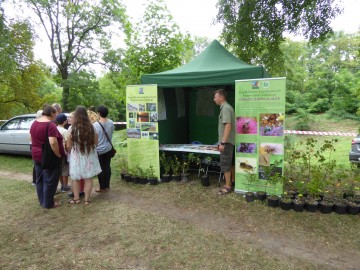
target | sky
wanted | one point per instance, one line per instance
(197, 16)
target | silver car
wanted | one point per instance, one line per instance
(15, 135)
(354, 155)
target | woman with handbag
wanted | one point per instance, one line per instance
(105, 129)
(47, 150)
(84, 162)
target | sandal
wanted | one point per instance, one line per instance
(72, 201)
(101, 189)
(225, 190)
(87, 202)
(56, 204)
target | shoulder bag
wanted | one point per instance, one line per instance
(49, 159)
(112, 151)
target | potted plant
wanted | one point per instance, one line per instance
(326, 204)
(165, 163)
(151, 176)
(142, 175)
(351, 189)
(176, 168)
(285, 201)
(135, 174)
(187, 161)
(205, 177)
(123, 164)
(251, 178)
(274, 179)
(298, 202)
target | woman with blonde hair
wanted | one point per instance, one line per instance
(84, 162)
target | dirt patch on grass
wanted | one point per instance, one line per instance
(220, 223)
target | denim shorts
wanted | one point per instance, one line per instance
(227, 157)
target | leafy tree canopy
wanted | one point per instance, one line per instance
(79, 33)
(155, 45)
(254, 29)
(20, 75)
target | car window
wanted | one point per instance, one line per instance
(11, 125)
(26, 122)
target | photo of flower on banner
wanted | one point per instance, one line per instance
(246, 125)
(246, 148)
(272, 124)
(245, 165)
(269, 150)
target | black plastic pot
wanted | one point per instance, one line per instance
(273, 201)
(127, 177)
(285, 204)
(261, 196)
(143, 180)
(205, 180)
(122, 176)
(298, 206)
(135, 179)
(353, 208)
(249, 196)
(153, 181)
(165, 178)
(325, 207)
(340, 208)
(176, 178)
(311, 206)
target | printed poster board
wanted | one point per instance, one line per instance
(142, 127)
(260, 125)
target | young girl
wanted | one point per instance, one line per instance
(84, 162)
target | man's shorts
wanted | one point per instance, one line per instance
(227, 157)
(64, 167)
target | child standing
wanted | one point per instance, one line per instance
(61, 121)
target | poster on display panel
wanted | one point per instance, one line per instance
(142, 128)
(260, 126)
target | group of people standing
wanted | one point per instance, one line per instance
(84, 148)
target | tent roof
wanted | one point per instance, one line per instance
(214, 66)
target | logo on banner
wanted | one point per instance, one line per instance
(255, 85)
(141, 90)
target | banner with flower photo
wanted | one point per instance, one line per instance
(260, 125)
(142, 128)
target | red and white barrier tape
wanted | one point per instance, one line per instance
(321, 133)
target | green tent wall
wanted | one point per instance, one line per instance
(215, 67)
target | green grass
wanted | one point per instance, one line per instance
(110, 234)
(168, 226)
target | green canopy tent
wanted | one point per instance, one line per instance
(215, 67)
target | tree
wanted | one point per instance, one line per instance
(254, 29)
(78, 32)
(333, 67)
(155, 45)
(20, 75)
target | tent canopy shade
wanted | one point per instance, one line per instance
(214, 66)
